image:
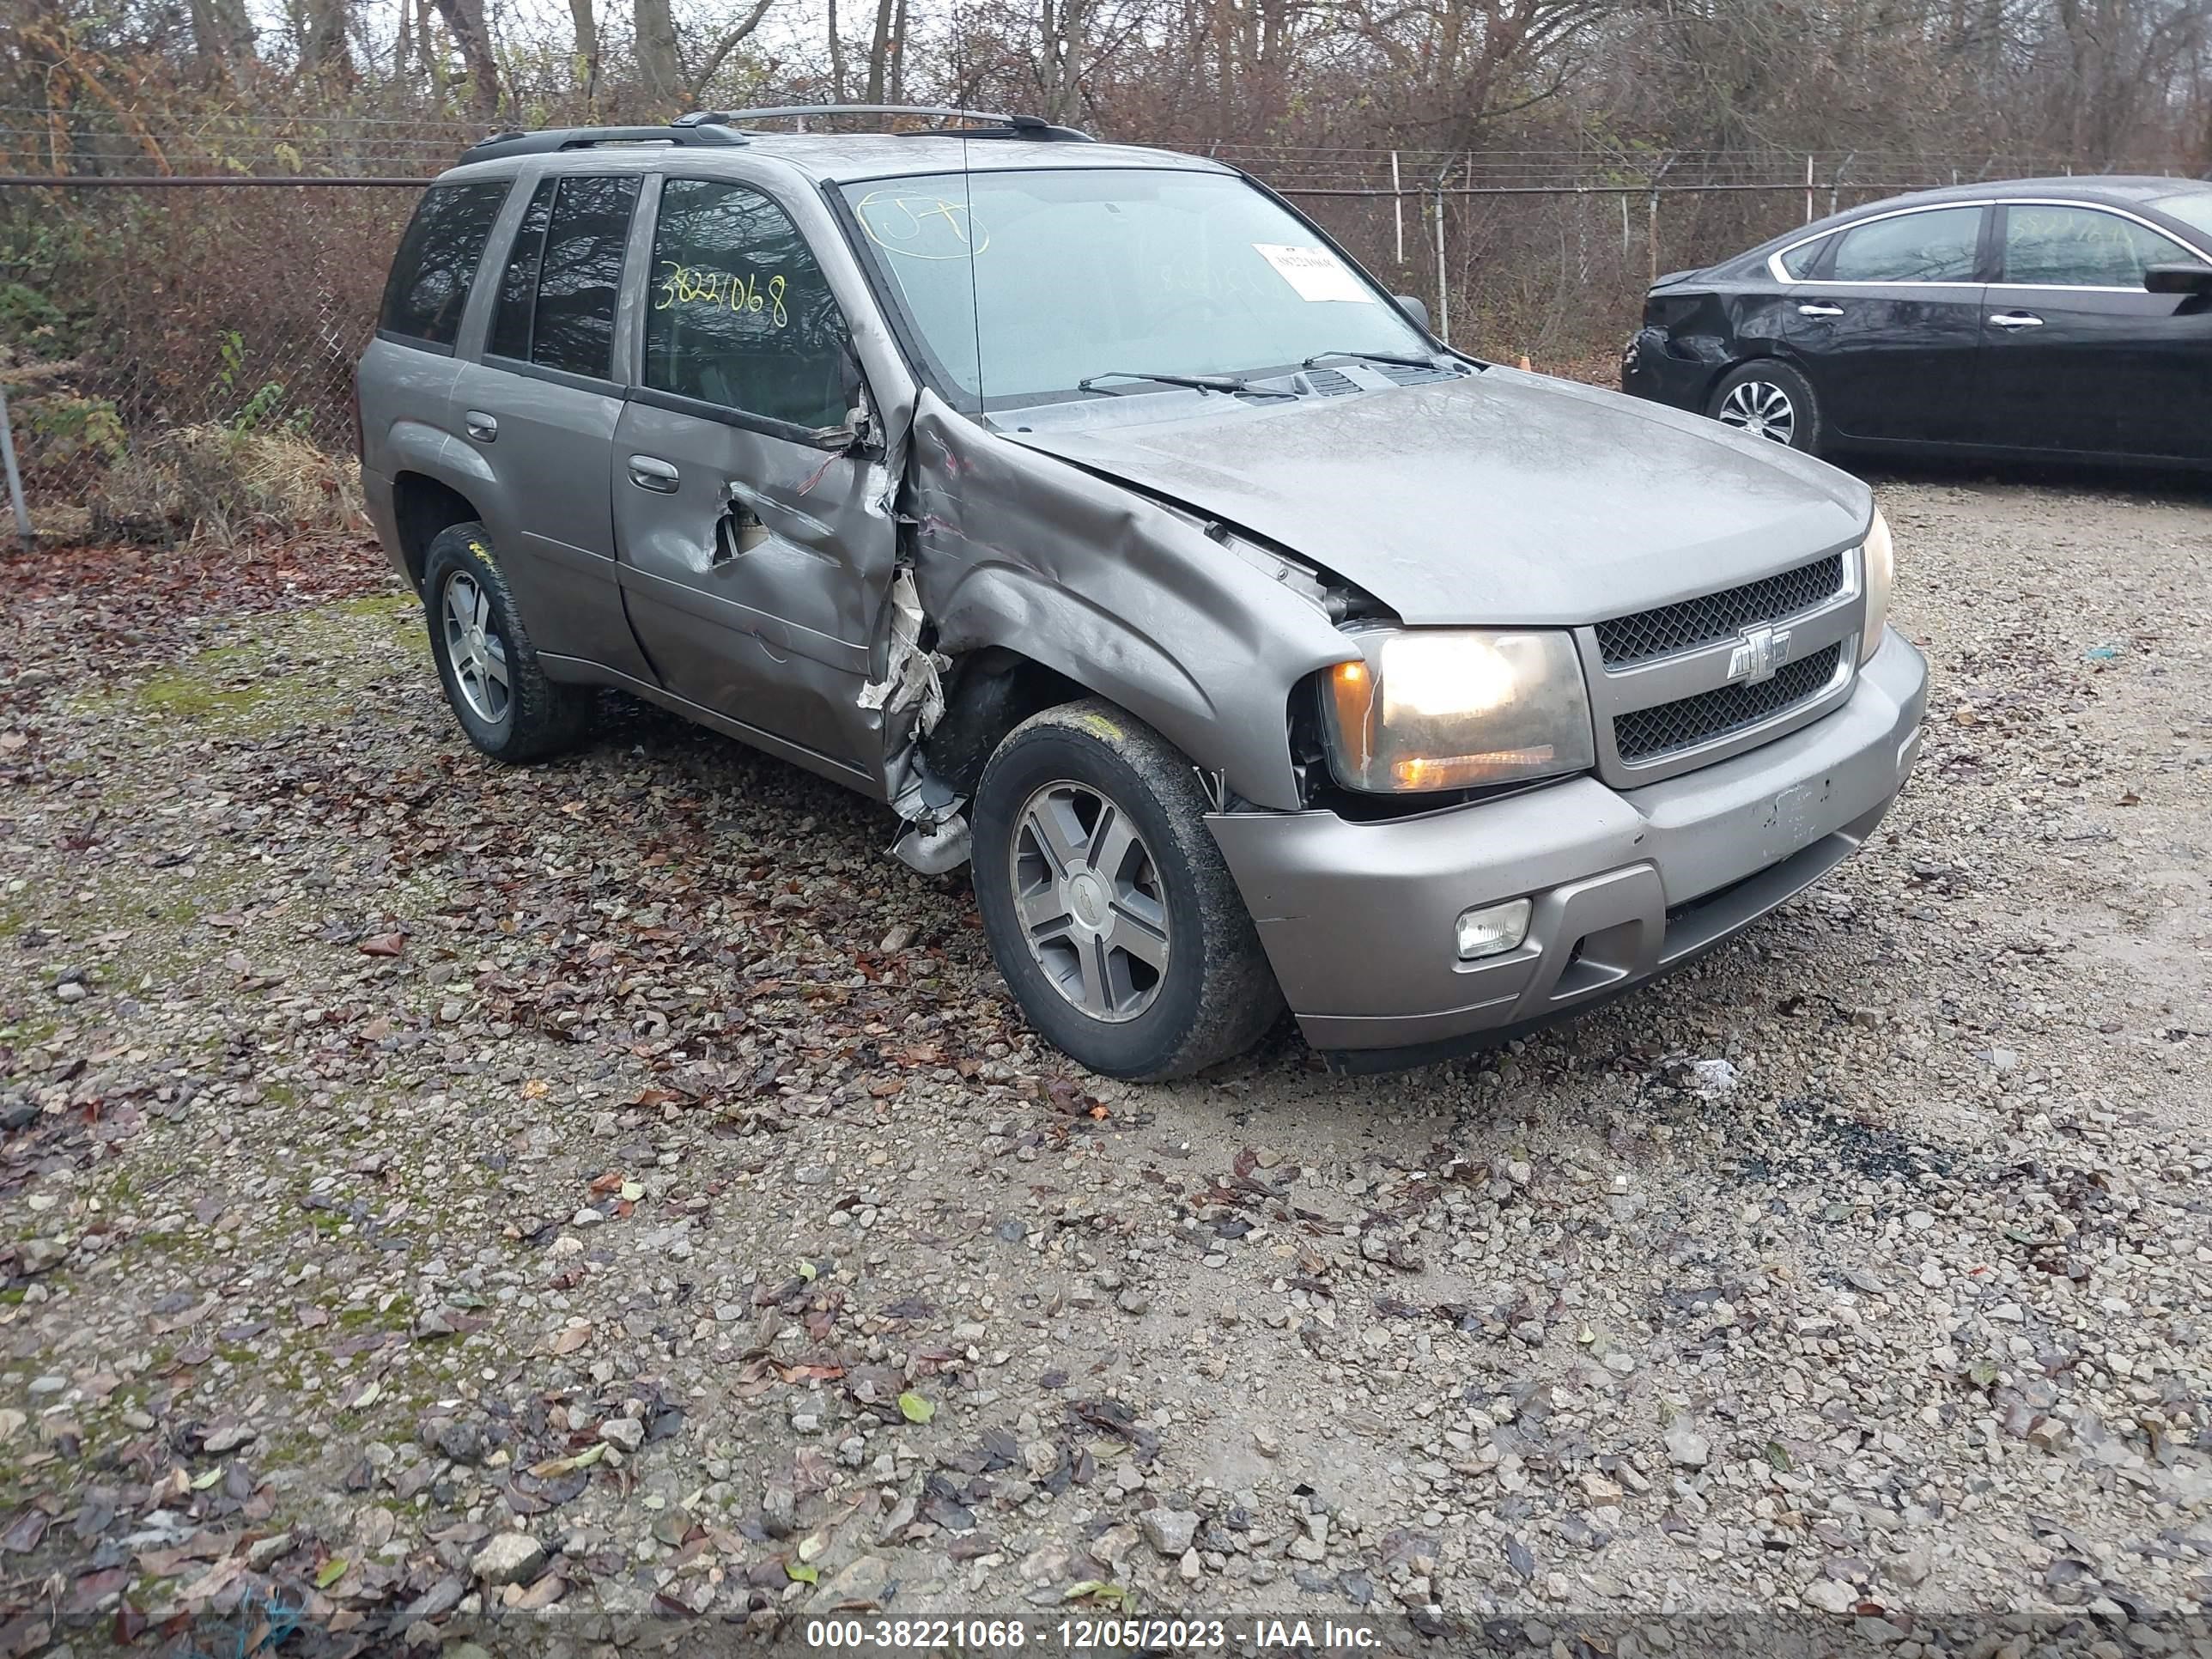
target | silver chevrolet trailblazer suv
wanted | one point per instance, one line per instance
(1090, 508)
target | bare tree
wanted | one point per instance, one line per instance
(659, 69)
(464, 20)
(587, 49)
(323, 50)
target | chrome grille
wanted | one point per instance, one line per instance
(1627, 640)
(1643, 734)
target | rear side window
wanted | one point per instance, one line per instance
(2081, 247)
(737, 313)
(1940, 245)
(437, 261)
(1799, 261)
(580, 275)
(2193, 208)
(518, 284)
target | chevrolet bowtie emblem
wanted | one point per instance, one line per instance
(1758, 655)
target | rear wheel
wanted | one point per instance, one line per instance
(493, 681)
(1769, 399)
(1106, 903)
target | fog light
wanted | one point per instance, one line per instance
(1492, 929)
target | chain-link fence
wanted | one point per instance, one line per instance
(179, 358)
(178, 355)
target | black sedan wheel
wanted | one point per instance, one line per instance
(1769, 400)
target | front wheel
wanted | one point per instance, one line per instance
(1770, 400)
(1106, 903)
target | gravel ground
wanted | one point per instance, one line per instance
(601, 1196)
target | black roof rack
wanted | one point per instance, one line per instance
(559, 138)
(984, 123)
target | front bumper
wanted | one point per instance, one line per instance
(1358, 919)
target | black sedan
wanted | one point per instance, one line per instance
(2059, 318)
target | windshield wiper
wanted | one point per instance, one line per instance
(1196, 382)
(1319, 357)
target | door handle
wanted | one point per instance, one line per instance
(481, 427)
(2017, 319)
(1819, 310)
(651, 472)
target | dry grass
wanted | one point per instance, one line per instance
(208, 483)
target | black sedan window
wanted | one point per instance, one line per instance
(1798, 261)
(2193, 208)
(1940, 246)
(2081, 247)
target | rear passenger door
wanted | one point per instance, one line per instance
(541, 407)
(1886, 325)
(755, 560)
(2077, 356)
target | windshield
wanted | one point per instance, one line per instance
(1023, 285)
(2193, 208)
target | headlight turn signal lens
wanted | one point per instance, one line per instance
(1879, 560)
(1452, 709)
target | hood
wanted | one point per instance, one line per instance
(1502, 498)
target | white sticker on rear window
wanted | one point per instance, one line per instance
(1314, 272)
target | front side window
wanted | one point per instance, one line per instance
(431, 274)
(1940, 246)
(737, 313)
(580, 275)
(1019, 285)
(2081, 247)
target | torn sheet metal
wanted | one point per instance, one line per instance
(911, 698)
(914, 677)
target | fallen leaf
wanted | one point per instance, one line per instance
(1100, 1589)
(553, 1466)
(332, 1571)
(915, 1409)
(384, 944)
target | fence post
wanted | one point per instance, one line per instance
(1397, 207)
(1808, 187)
(23, 531)
(1444, 285)
(1652, 235)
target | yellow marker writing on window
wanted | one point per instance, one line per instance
(741, 292)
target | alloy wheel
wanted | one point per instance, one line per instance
(1762, 408)
(1093, 911)
(476, 650)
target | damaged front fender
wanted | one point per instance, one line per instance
(1122, 596)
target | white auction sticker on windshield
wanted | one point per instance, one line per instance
(1314, 272)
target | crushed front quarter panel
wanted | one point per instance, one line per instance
(1126, 597)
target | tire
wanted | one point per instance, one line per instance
(1180, 981)
(476, 634)
(1770, 399)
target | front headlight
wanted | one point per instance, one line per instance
(1452, 709)
(1879, 560)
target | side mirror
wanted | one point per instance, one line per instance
(1415, 307)
(2178, 279)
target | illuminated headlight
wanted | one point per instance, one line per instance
(1881, 562)
(1452, 709)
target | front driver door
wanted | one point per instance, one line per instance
(754, 561)
(1888, 325)
(2077, 356)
